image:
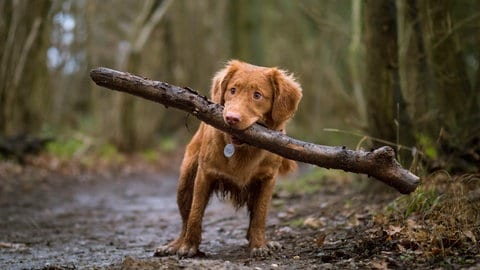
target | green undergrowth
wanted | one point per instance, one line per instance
(71, 147)
(86, 152)
(296, 223)
(65, 148)
(315, 180)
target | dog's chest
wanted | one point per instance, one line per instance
(243, 166)
(248, 162)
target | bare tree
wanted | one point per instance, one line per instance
(444, 55)
(413, 67)
(23, 69)
(455, 105)
(129, 58)
(354, 59)
(247, 30)
(386, 114)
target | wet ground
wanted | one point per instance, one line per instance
(116, 220)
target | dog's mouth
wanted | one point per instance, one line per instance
(235, 140)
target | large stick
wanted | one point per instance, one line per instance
(379, 163)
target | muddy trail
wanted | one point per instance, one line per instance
(109, 221)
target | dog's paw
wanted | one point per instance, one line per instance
(179, 248)
(274, 245)
(166, 250)
(189, 251)
(265, 251)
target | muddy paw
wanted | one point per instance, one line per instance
(265, 251)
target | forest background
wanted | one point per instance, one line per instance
(404, 73)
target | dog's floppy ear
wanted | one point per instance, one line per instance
(221, 79)
(286, 95)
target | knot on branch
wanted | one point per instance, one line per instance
(385, 154)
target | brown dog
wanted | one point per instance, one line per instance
(250, 94)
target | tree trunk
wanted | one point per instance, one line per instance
(380, 163)
(455, 107)
(127, 134)
(414, 73)
(386, 114)
(23, 66)
(477, 77)
(445, 59)
(246, 30)
(354, 59)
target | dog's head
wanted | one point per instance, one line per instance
(253, 94)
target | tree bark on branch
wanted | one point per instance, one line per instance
(379, 163)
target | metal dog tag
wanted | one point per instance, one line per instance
(229, 150)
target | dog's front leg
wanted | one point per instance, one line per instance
(258, 207)
(193, 235)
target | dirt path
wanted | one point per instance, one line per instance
(49, 221)
(86, 223)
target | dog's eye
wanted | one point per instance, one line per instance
(233, 90)
(257, 95)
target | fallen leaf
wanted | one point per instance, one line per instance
(436, 251)
(392, 230)
(412, 224)
(313, 222)
(469, 234)
(379, 219)
(15, 246)
(381, 265)
(320, 240)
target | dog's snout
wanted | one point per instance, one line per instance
(232, 118)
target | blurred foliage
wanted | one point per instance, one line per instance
(312, 180)
(307, 183)
(428, 146)
(426, 86)
(296, 223)
(108, 151)
(66, 148)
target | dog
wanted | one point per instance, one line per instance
(216, 162)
